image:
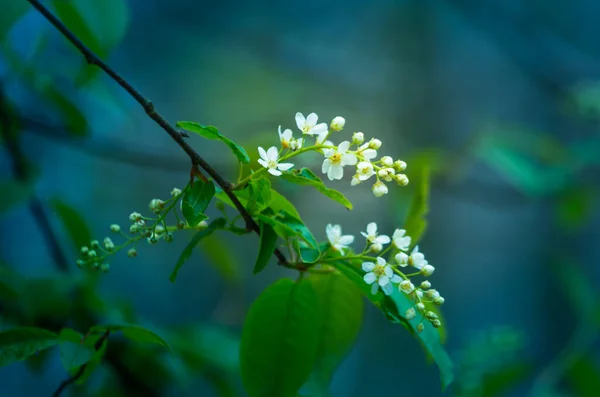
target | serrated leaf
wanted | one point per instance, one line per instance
(259, 195)
(280, 340)
(18, 344)
(195, 201)
(13, 193)
(268, 241)
(341, 314)
(73, 222)
(306, 177)
(133, 332)
(210, 132)
(416, 223)
(10, 15)
(187, 252)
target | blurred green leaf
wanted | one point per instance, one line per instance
(73, 222)
(574, 205)
(306, 177)
(18, 344)
(221, 257)
(584, 377)
(280, 339)
(416, 223)
(497, 383)
(73, 117)
(133, 332)
(268, 241)
(195, 201)
(187, 252)
(73, 351)
(577, 287)
(210, 132)
(14, 193)
(259, 195)
(341, 314)
(11, 14)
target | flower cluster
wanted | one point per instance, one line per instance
(357, 153)
(389, 273)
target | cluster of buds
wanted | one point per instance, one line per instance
(357, 153)
(390, 273)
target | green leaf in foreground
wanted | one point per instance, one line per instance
(17, 344)
(280, 339)
(210, 132)
(73, 222)
(341, 313)
(259, 195)
(195, 201)
(133, 332)
(306, 177)
(268, 240)
(416, 223)
(187, 252)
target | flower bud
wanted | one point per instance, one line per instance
(115, 228)
(439, 301)
(432, 294)
(169, 237)
(410, 314)
(104, 267)
(436, 323)
(202, 225)
(399, 165)
(152, 240)
(406, 286)
(401, 179)
(133, 229)
(135, 216)
(95, 244)
(421, 306)
(402, 259)
(156, 205)
(425, 285)
(379, 189)
(431, 315)
(355, 180)
(80, 263)
(92, 254)
(337, 124)
(387, 161)
(427, 270)
(132, 253)
(377, 247)
(420, 327)
(175, 192)
(374, 143)
(358, 138)
(84, 250)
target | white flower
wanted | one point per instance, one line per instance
(401, 179)
(387, 161)
(425, 285)
(269, 161)
(399, 165)
(375, 248)
(386, 174)
(439, 301)
(296, 144)
(358, 138)
(380, 275)
(427, 270)
(285, 137)
(364, 170)
(410, 314)
(372, 236)
(417, 259)
(406, 286)
(156, 205)
(321, 139)
(374, 143)
(337, 124)
(337, 241)
(421, 306)
(355, 180)
(379, 189)
(402, 259)
(309, 124)
(336, 159)
(432, 294)
(401, 241)
(366, 152)
(135, 216)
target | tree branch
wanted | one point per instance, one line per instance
(148, 106)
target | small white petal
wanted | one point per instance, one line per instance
(388, 271)
(262, 153)
(284, 166)
(346, 240)
(300, 120)
(396, 278)
(369, 154)
(263, 163)
(383, 280)
(374, 288)
(326, 165)
(349, 159)
(370, 278)
(335, 172)
(273, 153)
(275, 172)
(319, 129)
(368, 266)
(343, 147)
(311, 119)
(383, 239)
(381, 261)
(372, 228)
(387, 289)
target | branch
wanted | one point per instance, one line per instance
(77, 375)
(148, 106)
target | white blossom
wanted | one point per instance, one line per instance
(374, 143)
(358, 138)
(401, 241)
(387, 161)
(364, 170)
(337, 124)
(269, 160)
(366, 152)
(379, 189)
(285, 137)
(372, 236)
(402, 259)
(387, 174)
(401, 179)
(406, 286)
(380, 275)
(399, 165)
(309, 124)
(336, 159)
(427, 270)
(410, 313)
(336, 239)
(175, 192)
(417, 259)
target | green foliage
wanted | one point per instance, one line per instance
(306, 177)
(18, 344)
(133, 332)
(14, 193)
(74, 351)
(187, 252)
(287, 225)
(221, 257)
(210, 132)
(280, 339)
(195, 201)
(268, 242)
(73, 222)
(341, 315)
(416, 223)
(584, 377)
(259, 195)
(11, 14)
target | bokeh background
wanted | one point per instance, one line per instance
(500, 98)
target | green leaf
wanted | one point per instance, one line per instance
(74, 119)
(210, 132)
(69, 12)
(268, 241)
(280, 203)
(280, 339)
(133, 332)
(295, 225)
(416, 223)
(221, 258)
(584, 376)
(10, 15)
(341, 309)
(13, 193)
(195, 201)
(499, 382)
(187, 252)
(306, 177)
(73, 222)
(17, 344)
(259, 195)
(74, 352)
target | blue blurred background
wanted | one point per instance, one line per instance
(502, 97)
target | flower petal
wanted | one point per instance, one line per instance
(300, 120)
(369, 154)
(370, 278)
(347, 239)
(319, 129)
(383, 239)
(374, 288)
(383, 280)
(335, 172)
(396, 278)
(343, 147)
(273, 153)
(284, 166)
(321, 137)
(262, 153)
(388, 271)
(263, 163)
(311, 119)
(372, 228)
(368, 266)
(275, 172)
(349, 159)
(326, 165)
(387, 289)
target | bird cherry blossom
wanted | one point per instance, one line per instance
(309, 124)
(380, 275)
(373, 237)
(401, 240)
(336, 159)
(269, 160)
(338, 241)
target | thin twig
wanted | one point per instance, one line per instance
(77, 375)
(151, 111)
